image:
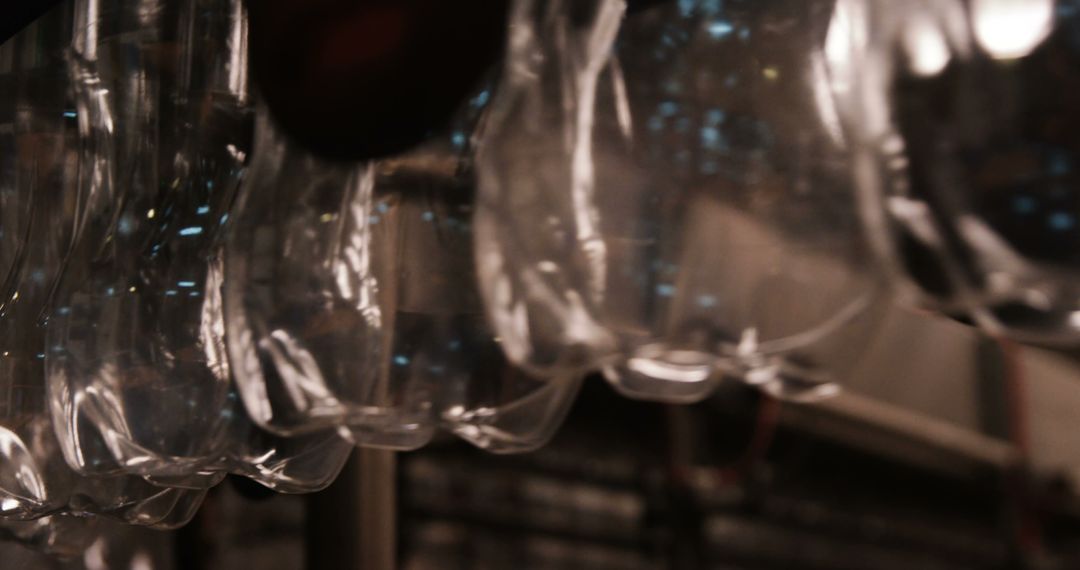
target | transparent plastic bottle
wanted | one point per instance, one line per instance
(352, 303)
(35, 481)
(442, 345)
(138, 344)
(667, 195)
(963, 115)
(298, 464)
(165, 88)
(303, 325)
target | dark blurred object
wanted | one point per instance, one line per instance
(639, 5)
(20, 13)
(359, 79)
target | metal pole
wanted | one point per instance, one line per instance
(352, 525)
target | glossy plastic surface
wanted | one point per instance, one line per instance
(351, 302)
(667, 196)
(964, 114)
(34, 479)
(162, 88)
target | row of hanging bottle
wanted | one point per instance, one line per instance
(132, 193)
(670, 196)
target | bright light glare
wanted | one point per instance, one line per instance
(1008, 29)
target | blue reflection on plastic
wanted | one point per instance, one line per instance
(720, 29)
(481, 99)
(1062, 221)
